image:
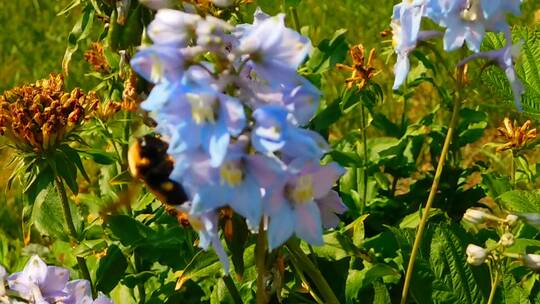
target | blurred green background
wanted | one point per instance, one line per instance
(34, 38)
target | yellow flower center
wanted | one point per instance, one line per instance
(472, 12)
(231, 174)
(202, 109)
(302, 192)
(396, 32)
(196, 223)
(156, 73)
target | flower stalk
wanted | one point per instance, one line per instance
(435, 184)
(260, 263)
(59, 184)
(313, 272)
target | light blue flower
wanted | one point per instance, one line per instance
(172, 27)
(159, 64)
(273, 132)
(274, 51)
(406, 34)
(291, 201)
(206, 225)
(232, 184)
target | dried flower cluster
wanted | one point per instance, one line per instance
(38, 117)
(95, 56)
(516, 136)
(361, 71)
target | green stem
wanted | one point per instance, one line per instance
(313, 272)
(260, 263)
(513, 169)
(59, 184)
(365, 165)
(296, 20)
(232, 289)
(494, 284)
(434, 187)
(298, 271)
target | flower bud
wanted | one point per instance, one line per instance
(531, 218)
(475, 215)
(476, 255)
(222, 3)
(507, 239)
(532, 261)
(511, 219)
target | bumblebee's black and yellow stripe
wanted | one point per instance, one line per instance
(148, 161)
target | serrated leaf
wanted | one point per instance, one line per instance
(521, 201)
(452, 272)
(527, 67)
(509, 292)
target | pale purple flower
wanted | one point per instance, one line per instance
(330, 207)
(292, 204)
(38, 282)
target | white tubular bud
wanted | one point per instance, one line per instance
(531, 218)
(476, 216)
(532, 261)
(476, 255)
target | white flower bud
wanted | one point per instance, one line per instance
(223, 3)
(532, 261)
(476, 255)
(475, 215)
(507, 239)
(511, 219)
(531, 218)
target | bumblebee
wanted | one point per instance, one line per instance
(149, 162)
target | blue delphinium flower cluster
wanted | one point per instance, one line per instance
(232, 106)
(42, 284)
(465, 22)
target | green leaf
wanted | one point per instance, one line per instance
(237, 244)
(80, 31)
(360, 279)
(48, 215)
(100, 157)
(74, 157)
(328, 53)
(510, 292)
(111, 269)
(521, 201)
(382, 296)
(66, 170)
(455, 282)
(128, 230)
(132, 280)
